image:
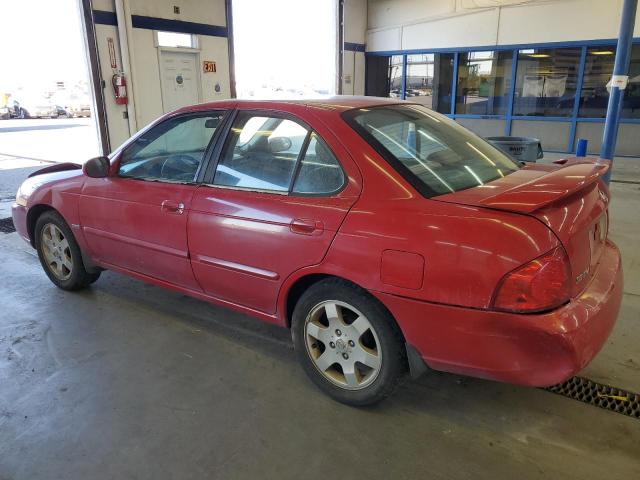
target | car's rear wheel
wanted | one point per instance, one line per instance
(60, 254)
(347, 342)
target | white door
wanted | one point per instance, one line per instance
(179, 75)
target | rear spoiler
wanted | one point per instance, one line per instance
(534, 186)
(574, 175)
(58, 167)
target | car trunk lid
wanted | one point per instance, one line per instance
(568, 198)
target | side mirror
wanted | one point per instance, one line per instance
(279, 144)
(97, 167)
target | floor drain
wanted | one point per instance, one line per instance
(600, 395)
(6, 225)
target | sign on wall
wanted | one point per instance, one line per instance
(112, 53)
(208, 66)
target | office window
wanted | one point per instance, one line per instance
(594, 95)
(483, 82)
(631, 101)
(443, 79)
(395, 76)
(598, 68)
(546, 82)
(419, 83)
(429, 80)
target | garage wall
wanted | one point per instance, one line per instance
(144, 77)
(355, 28)
(415, 24)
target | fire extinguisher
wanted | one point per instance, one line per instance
(119, 83)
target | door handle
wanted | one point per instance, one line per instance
(172, 207)
(305, 226)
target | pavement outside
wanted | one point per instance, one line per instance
(127, 380)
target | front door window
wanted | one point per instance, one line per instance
(172, 151)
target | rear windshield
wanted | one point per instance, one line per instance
(434, 153)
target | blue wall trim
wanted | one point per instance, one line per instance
(354, 47)
(105, 18)
(166, 25)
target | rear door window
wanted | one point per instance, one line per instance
(319, 173)
(261, 153)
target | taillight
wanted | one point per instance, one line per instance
(542, 284)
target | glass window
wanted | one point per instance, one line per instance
(434, 153)
(443, 80)
(319, 171)
(260, 153)
(419, 83)
(173, 39)
(171, 151)
(631, 100)
(598, 68)
(483, 82)
(546, 82)
(395, 76)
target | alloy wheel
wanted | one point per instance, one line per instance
(56, 251)
(343, 345)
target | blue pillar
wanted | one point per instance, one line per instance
(621, 68)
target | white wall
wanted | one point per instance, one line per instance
(355, 28)
(144, 78)
(419, 24)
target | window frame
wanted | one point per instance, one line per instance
(206, 157)
(209, 173)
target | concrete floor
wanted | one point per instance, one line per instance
(126, 380)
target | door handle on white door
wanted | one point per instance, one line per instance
(173, 207)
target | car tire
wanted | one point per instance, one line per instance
(60, 254)
(325, 334)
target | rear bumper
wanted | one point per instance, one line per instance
(535, 350)
(19, 214)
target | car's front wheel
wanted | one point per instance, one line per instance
(348, 343)
(60, 254)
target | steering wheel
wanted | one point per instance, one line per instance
(178, 167)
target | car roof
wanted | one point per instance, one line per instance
(339, 103)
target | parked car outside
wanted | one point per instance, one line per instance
(35, 108)
(62, 112)
(80, 110)
(387, 237)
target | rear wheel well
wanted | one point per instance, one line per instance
(32, 218)
(303, 283)
(298, 288)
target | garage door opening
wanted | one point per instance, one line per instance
(46, 104)
(279, 56)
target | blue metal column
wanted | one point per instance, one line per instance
(620, 69)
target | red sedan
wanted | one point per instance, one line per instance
(386, 236)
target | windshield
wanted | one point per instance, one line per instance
(434, 153)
